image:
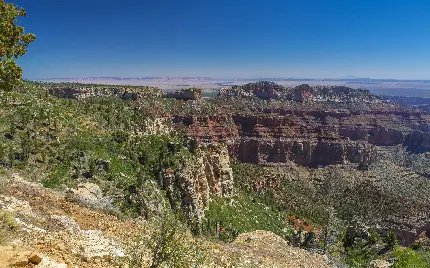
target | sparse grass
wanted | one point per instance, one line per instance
(8, 225)
(241, 214)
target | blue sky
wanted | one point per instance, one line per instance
(234, 38)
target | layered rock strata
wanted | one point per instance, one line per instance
(319, 126)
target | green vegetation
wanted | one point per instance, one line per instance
(280, 190)
(408, 258)
(7, 220)
(359, 251)
(169, 244)
(243, 213)
(13, 44)
(93, 139)
(8, 225)
(361, 254)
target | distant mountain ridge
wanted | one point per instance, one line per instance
(129, 78)
(353, 77)
(204, 78)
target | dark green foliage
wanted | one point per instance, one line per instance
(13, 44)
(391, 240)
(361, 254)
(374, 237)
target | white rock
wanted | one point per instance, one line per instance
(67, 223)
(48, 263)
(12, 204)
(94, 243)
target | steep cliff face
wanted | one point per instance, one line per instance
(314, 125)
(418, 142)
(186, 94)
(307, 138)
(309, 153)
(209, 173)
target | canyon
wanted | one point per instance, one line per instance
(315, 126)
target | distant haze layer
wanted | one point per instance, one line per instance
(411, 88)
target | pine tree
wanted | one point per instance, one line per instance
(13, 44)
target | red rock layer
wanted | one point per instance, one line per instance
(309, 138)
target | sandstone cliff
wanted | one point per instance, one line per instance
(208, 173)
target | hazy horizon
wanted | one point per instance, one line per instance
(225, 78)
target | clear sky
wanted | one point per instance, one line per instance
(228, 38)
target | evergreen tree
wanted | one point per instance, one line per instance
(13, 44)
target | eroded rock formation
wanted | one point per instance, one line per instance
(208, 173)
(311, 126)
(186, 94)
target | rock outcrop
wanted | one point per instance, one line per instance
(262, 90)
(303, 93)
(186, 94)
(266, 249)
(78, 91)
(90, 195)
(209, 173)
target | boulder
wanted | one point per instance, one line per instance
(149, 199)
(48, 263)
(24, 258)
(86, 193)
(90, 195)
(35, 258)
(379, 264)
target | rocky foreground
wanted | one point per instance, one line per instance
(50, 231)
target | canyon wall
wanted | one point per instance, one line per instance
(316, 126)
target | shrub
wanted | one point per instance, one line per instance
(391, 240)
(408, 258)
(166, 242)
(360, 255)
(8, 225)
